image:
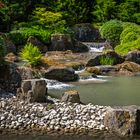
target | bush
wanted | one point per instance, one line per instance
(125, 48)
(111, 31)
(131, 36)
(20, 36)
(104, 60)
(17, 37)
(2, 49)
(52, 21)
(129, 28)
(32, 54)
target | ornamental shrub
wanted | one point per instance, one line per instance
(111, 31)
(32, 54)
(123, 49)
(130, 28)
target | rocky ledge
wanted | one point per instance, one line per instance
(19, 117)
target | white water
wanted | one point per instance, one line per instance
(80, 71)
(95, 47)
(99, 50)
(92, 79)
(54, 84)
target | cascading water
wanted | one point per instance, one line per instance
(95, 47)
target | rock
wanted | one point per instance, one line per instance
(123, 121)
(33, 40)
(79, 47)
(10, 78)
(117, 59)
(94, 70)
(61, 42)
(30, 73)
(33, 90)
(75, 65)
(10, 46)
(85, 32)
(11, 57)
(71, 96)
(105, 69)
(128, 68)
(133, 56)
(61, 74)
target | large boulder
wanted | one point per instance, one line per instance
(116, 59)
(33, 90)
(61, 74)
(71, 96)
(133, 56)
(33, 40)
(10, 78)
(85, 32)
(61, 42)
(128, 68)
(79, 47)
(103, 69)
(123, 120)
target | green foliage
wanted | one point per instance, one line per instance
(75, 11)
(128, 10)
(125, 48)
(130, 39)
(32, 54)
(129, 27)
(2, 52)
(111, 31)
(104, 60)
(104, 10)
(20, 36)
(52, 21)
(17, 37)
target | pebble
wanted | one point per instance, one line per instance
(70, 117)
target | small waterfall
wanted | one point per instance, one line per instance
(96, 47)
(54, 84)
(93, 79)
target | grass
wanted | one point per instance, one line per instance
(106, 60)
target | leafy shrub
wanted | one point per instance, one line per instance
(111, 31)
(129, 28)
(131, 36)
(32, 54)
(17, 37)
(104, 60)
(129, 46)
(52, 21)
(2, 50)
(20, 36)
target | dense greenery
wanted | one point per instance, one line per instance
(129, 38)
(41, 18)
(72, 11)
(111, 31)
(104, 60)
(2, 51)
(32, 54)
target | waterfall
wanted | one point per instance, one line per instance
(96, 47)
